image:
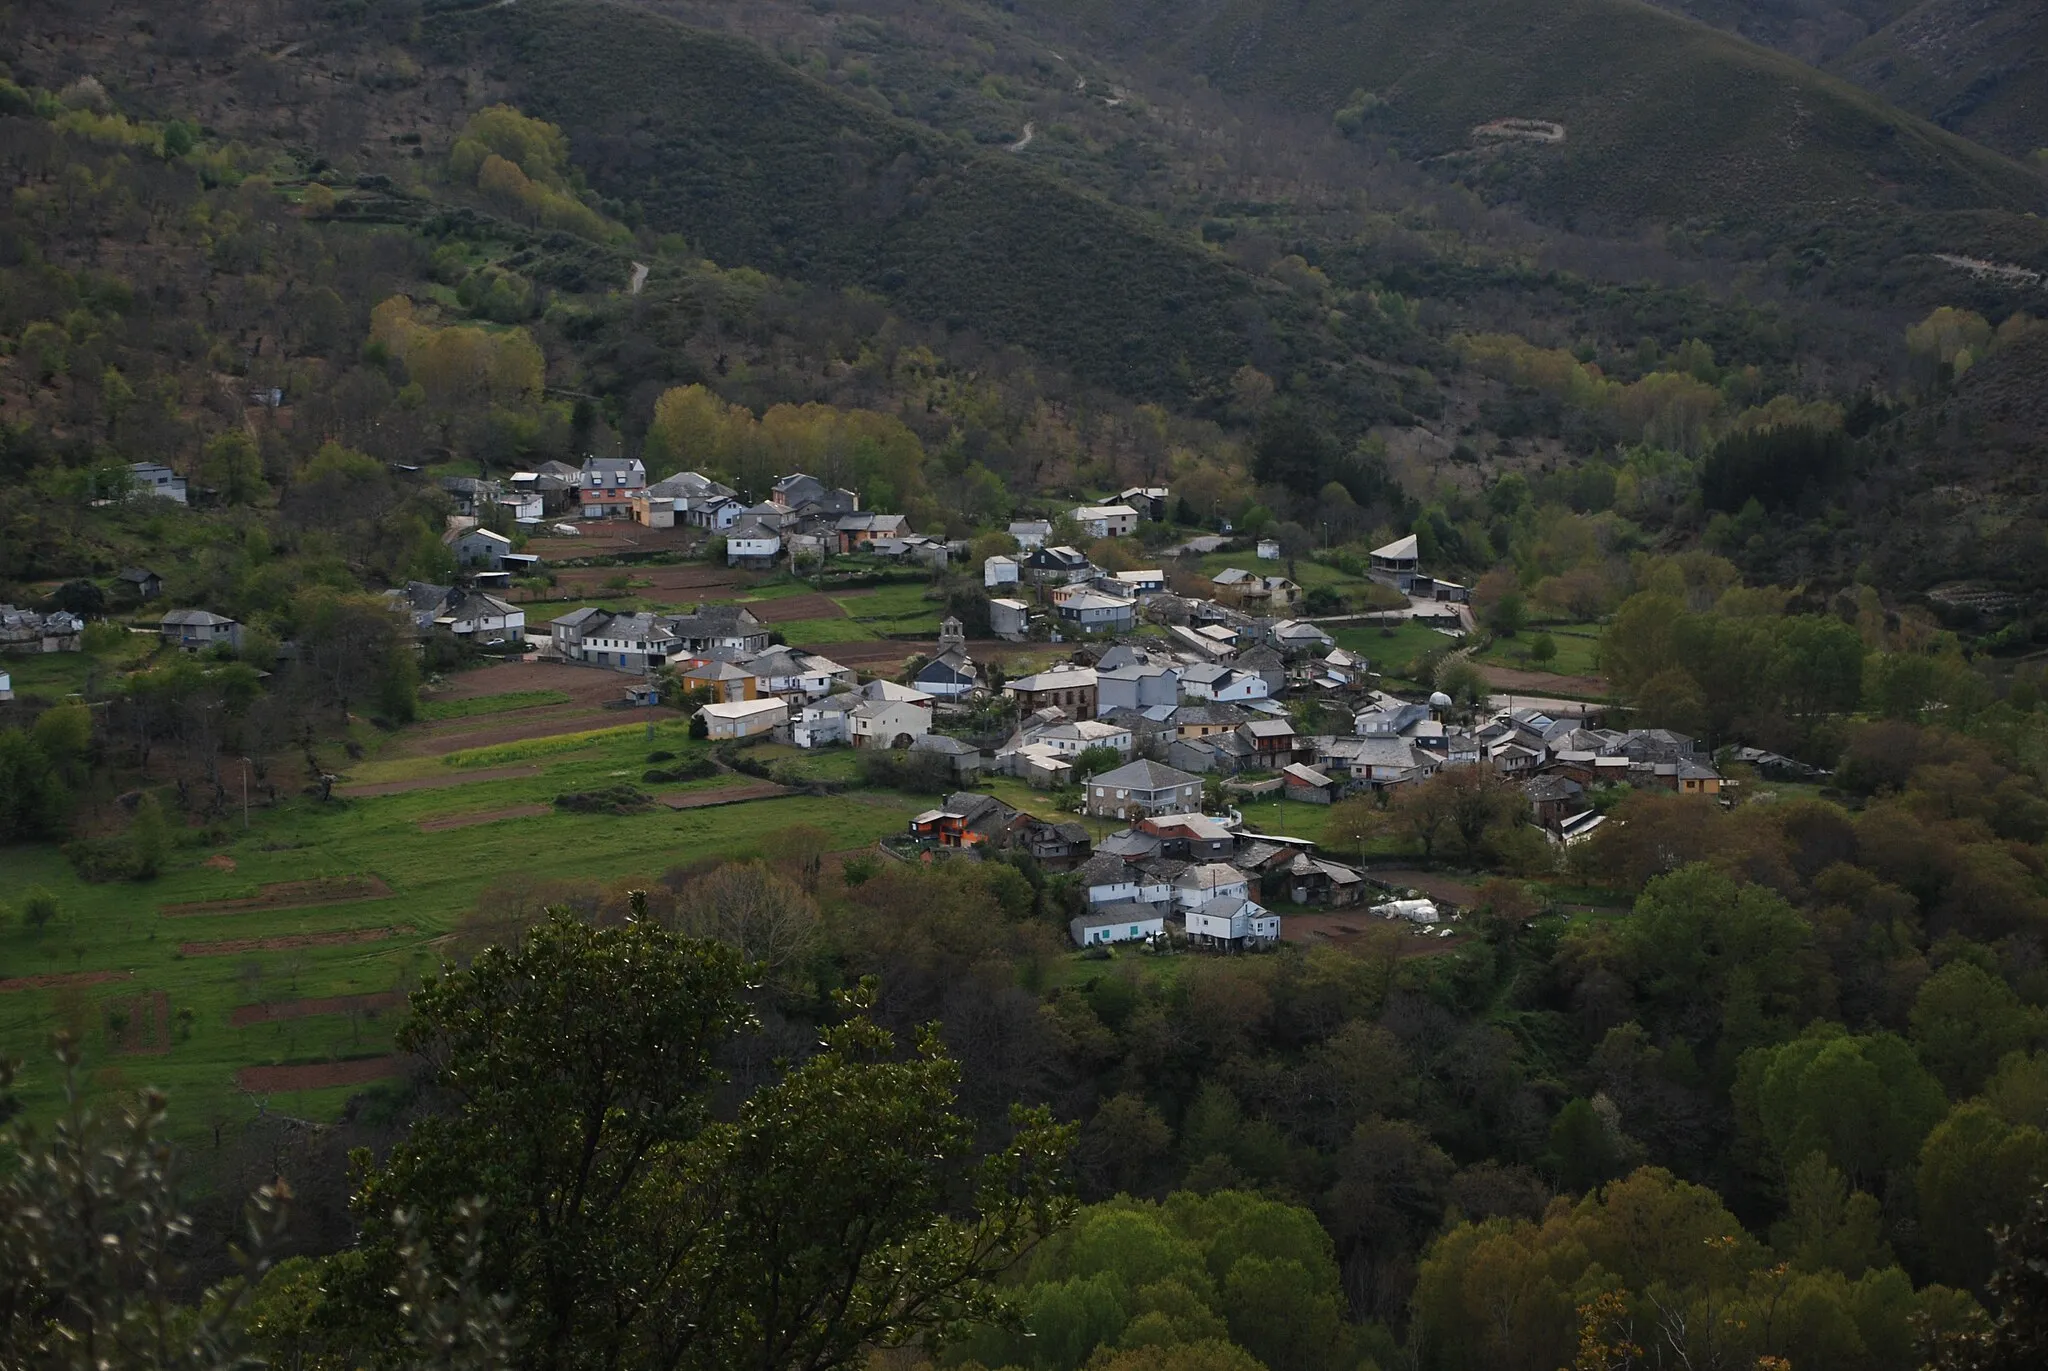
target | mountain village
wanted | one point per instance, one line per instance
(1155, 710)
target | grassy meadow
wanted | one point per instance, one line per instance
(435, 878)
(1390, 650)
(1578, 650)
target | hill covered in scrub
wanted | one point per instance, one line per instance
(1979, 69)
(1662, 119)
(1975, 67)
(757, 164)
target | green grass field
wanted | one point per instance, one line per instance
(1578, 650)
(54, 675)
(1389, 650)
(823, 632)
(893, 608)
(435, 878)
(1307, 574)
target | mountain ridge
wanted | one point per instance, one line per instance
(1975, 67)
(1763, 134)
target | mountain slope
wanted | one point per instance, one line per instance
(1975, 67)
(1814, 31)
(758, 164)
(1664, 119)
(1979, 67)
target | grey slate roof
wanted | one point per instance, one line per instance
(1145, 774)
(1105, 869)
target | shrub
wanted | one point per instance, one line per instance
(613, 799)
(38, 908)
(101, 859)
(695, 769)
(917, 772)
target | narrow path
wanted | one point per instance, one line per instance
(473, 9)
(1202, 544)
(1030, 132)
(640, 274)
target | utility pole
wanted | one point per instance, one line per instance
(245, 794)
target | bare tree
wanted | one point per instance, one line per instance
(751, 908)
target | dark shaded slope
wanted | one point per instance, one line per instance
(1964, 492)
(1975, 67)
(1815, 31)
(757, 164)
(1665, 119)
(1979, 67)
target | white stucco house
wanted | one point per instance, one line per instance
(1233, 922)
(1130, 923)
(1106, 521)
(743, 718)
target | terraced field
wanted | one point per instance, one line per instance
(278, 956)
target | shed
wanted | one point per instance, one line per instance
(1307, 784)
(744, 718)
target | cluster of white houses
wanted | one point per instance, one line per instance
(1177, 873)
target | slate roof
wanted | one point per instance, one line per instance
(1105, 868)
(1129, 845)
(1145, 774)
(1215, 713)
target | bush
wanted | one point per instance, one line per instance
(1095, 760)
(735, 755)
(695, 769)
(918, 772)
(614, 799)
(39, 909)
(660, 755)
(101, 859)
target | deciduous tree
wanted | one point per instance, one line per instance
(633, 1231)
